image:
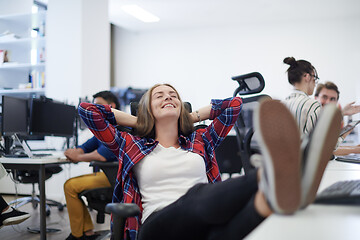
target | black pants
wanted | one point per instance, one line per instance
(223, 210)
(3, 204)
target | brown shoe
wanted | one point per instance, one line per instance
(279, 139)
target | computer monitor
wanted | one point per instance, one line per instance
(49, 118)
(14, 116)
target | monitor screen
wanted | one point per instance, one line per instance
(14, 116)
(48, 118)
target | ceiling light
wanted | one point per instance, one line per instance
(139, 13)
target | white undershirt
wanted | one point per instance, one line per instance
(165, 175)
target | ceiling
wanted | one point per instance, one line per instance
(181, 14)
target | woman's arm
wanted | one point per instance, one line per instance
(201, 114)
(345, 150)
(124, 119)
(101, 120)
(224, 114)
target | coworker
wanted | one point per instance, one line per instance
(329, 93)
(9, 215)
(170, 170)
(80, 220)
(303, 76)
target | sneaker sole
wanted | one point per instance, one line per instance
(323, 141)
(279, 138)
(15, 220)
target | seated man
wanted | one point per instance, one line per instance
(329, 93)
(80, 220)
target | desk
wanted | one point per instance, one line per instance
(317, 221)
(35, 164)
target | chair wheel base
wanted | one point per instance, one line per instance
(37, 230)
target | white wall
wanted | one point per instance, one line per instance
(200, 62)
(15, 7)
(78, 49)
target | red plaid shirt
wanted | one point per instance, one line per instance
(131, 149)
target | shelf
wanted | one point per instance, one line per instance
(24, 17)
(25, 50)
(22, 66)
(22, 40)
(22, 91)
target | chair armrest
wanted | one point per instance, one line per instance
(103, 164)
(120, 212)
(123, 210)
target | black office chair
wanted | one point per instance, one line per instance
(97, 198)
(228, 156)
(32, 177)
(251, 83)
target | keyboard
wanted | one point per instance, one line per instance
(342, 192)
(352, 158)
(41, 154)
(23, 155)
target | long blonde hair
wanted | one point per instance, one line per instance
(145, 126)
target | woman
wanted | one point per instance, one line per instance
(167, 167)
(303, 76)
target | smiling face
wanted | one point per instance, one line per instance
(165, 103)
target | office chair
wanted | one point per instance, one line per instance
(228, 156)
(98, 198)
(251, 83)
(32, 176)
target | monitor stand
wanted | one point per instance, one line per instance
(8, 141)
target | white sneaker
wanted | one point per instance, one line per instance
(279, 139)
(318, 150)
(13, 217)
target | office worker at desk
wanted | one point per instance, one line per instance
(329, 93)
(170, 170)
(80, 220)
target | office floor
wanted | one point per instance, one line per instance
(57, 219)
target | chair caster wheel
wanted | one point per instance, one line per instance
(47, 213)
(61, 208)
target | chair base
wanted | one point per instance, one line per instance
(35, 201)
(37, 230)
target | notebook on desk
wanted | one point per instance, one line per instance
(352, 158)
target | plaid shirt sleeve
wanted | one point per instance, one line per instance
(224, 114)
(101, 120)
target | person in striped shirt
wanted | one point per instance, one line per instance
(170, 171)
(303, 76)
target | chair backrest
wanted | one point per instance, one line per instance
(252, 83)
(245, 130)
(228, 156)
(109, 168)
